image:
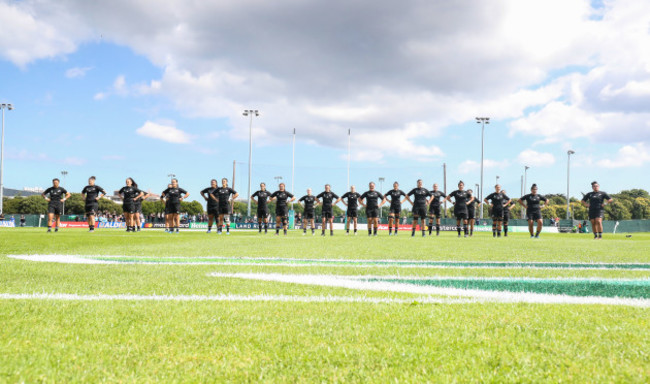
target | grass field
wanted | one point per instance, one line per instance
(193, 307)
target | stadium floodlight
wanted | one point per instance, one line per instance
(251, 113)
(381, 190)
(568, 172)
(171, 177)
(277, 180)
(9, 107)
(482, 121)
(64, 174)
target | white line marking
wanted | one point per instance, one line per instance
(479, 295)
(252, 298)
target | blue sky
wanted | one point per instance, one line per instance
(135, 89)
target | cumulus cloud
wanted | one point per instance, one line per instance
(77, 72)
(470, 166)
(533, 158)
(628, 156)
(166, 133)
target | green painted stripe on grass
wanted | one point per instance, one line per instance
(639, 289)
(386, 263)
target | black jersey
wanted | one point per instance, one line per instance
(460, 198)
(596, 199)
(473, 204)
(173, 195)
(262, 198)
(327, 198)
(395, 197)
(129, 193)
(372, 199)
(498, 200)
(92, 192)
(309, 201)
(533, 202)
(212, 203)
(55, 194)
(435, 198)
(352, 199)
(420, 196)
(223, 194)
(281, 198)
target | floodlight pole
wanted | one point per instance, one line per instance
(251, 113)
(2, 153)
(64, 174)
(482, 121)
(381, 190)
(568, 170)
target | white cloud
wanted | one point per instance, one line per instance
(628, 156)
(470, 166)
(533, 158)
(74, 161)
(77, 72)
(164, 132)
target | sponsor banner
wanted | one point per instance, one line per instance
(402, 227)
(74, 224)
(202, 225)
(162, 225)
(111, 225)
(7, 224)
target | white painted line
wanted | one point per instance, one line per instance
(245, 298)
(480, 295)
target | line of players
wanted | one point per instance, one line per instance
(425, 204)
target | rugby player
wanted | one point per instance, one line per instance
(212, 206)
(596, 201)
(328, 199)
(138, 210)
(534, 205)
(223, 194)
(434, 208)
(419, 203)
(173, 196)
(55, 196)
(168, 223)
(308, 202)
(129, 193)
(506, 213)
(281, 198)
(91, 195)
(262, 207)
(497, 201)
(461, 200)
(471, 212)
(395, 195)
(372, 206)
(351, 200)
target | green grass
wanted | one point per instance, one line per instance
(123, 341)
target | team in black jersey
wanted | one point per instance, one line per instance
(129, 194)
(461, 200)
(351, 201)
(396, 201)
(55, 196)
(533, 203)
(596, 201)
(471, 212)
(282, 198)
(212, 205)
(328, 199)
(374, 201)
(91, 195)
(262, 207)
(309, 203)
(434, 208)
(506, 214)
(173, 197)
(225, 197)
(420, 203)
(498, 202)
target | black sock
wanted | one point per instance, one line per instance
(277, 231)
(374, 231)
(498, 233)
(369, 230)
(355, 230)
(437, 229)
(430, 229)
(423, 232)
(266, 227)
(347, 230)
(390, 230)
(285, 231)
(331, 231)
(413, 231)
(505, 229)
(465, 229)
(458, 228)
(600, 235)
(313, 230)
(322, 231)
(537, 233)
(228, 228)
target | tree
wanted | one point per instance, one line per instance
(149, 207)
(618, 210)
(641, 208)
(75, 205)
(106, 205)
(192, 207)
(635, 193)
(32, 205)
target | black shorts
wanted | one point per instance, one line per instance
(213, 210)
(506, 217)
(372, 213)
(138, 206)
(173, 208)
(262, 213)
(434, 210)
(129, 207)
(471, 215)
(535, 215)
(224, 209)
(352, 213)
(281, 211)
(461, 214)
(92, 208)
(599, 214)
(395, 211)
(327, 213)
(497, 215)
(55, 208)
(308, 215)
(420, 212)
